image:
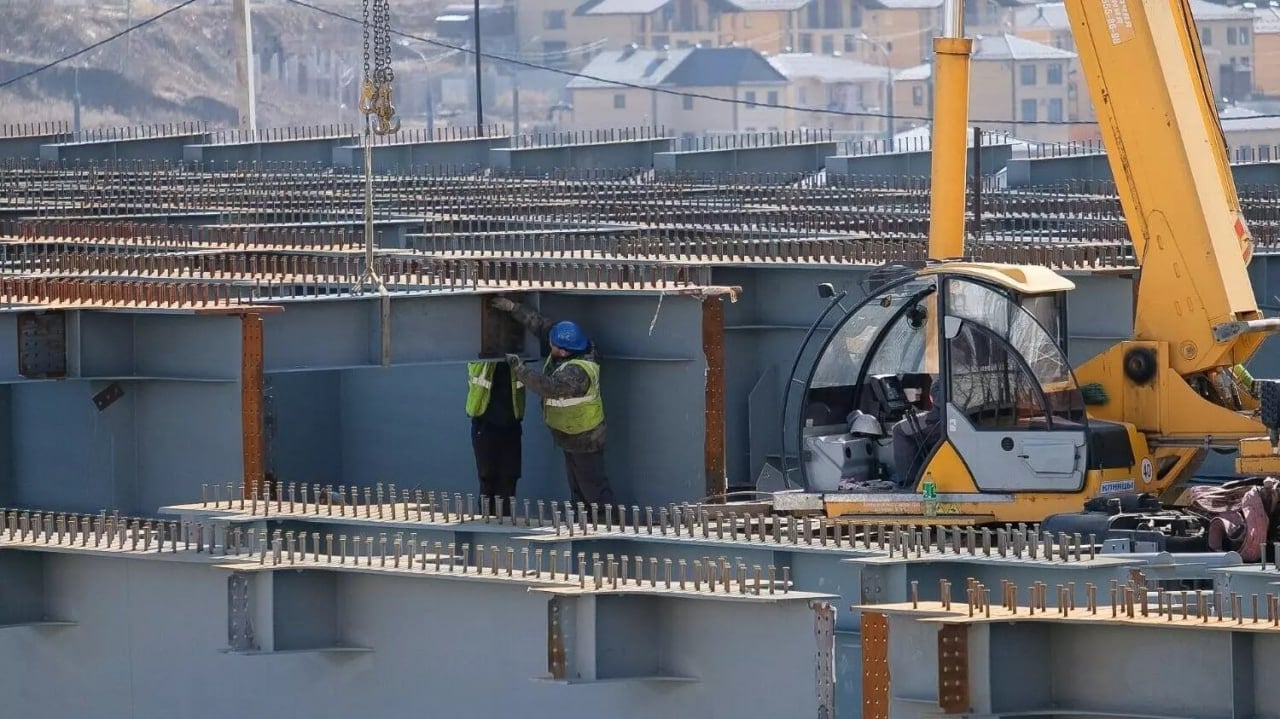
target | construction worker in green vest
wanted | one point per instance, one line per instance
(495, 404)
(571, 403)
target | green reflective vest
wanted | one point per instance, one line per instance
(480, 383)
(575, 415)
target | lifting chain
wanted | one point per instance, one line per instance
(375, 93)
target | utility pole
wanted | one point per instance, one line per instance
(888, 88)
(75, 122)
(426, 75)
(243, 25)
(475, 24)
(515, 82)
(128, 39)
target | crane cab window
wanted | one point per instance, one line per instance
(893, 372)
(1006, 366)
(889, 336)
(874, 377)
(990, 385)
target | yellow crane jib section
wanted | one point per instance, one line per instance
(1149, 84)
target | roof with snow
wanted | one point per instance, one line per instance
(1054, 15)
(687, 67)
(645, 7)
(826, 68)
(1012, 47)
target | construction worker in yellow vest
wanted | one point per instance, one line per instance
(571, 403)
(495, 404)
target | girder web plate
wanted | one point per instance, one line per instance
(824, 629)
(875, 666)
(953, 668)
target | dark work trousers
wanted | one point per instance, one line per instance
(587, 480)
(497, 452)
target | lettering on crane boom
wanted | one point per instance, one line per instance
(1119, 24)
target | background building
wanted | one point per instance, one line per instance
(639, 86)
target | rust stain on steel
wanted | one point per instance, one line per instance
(500, 333)
(713, 349)
(953, 668)
(251, 390)
(875, 666)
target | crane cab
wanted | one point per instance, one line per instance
(956, 372)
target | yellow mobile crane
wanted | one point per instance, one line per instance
(947, 391)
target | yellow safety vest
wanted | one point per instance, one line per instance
(479, 385)
(575, 415)
(1243, 377)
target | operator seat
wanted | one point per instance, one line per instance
(912, 445)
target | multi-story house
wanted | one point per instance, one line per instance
(894, 32)
(913, 97)
(1016, 86)
(833, 85)
(1251, 136)
(549, 31)
(1226, 36)
(692, 90)
(675, 24)
(1266, 49)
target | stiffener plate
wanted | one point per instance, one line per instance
(555, 640)
(239, 619)
(953, 668)
(824, 629)
(875, 666)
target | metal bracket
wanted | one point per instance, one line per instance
(953, 668)
(824, 630)
(108, 396)
(873, 583)
(240, 635)
(875, 666)
(42, 345)
(1226, 331)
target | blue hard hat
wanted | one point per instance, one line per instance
(568, 335)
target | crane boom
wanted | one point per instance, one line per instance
(1136, 419)
(1147, 76)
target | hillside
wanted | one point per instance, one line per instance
(178, 68)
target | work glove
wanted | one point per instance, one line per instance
(514, 361)
(502, 303)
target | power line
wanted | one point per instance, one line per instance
(98, 44)
(556, 70)
(681, 93)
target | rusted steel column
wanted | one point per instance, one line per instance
(713, 349)
(953, 668)
(875, 666)
(251, 391)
